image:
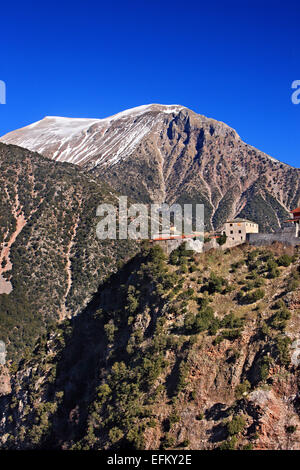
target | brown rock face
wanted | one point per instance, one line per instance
(134, 361)
(277, 415)
(169, 153)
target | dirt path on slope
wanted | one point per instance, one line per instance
(64, 312)
(6, 286)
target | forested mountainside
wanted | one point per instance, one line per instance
(168, 153)
(196, 351)
(51, 260)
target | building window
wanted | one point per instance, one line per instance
(231, 232)
(230, 225)
(240, 231)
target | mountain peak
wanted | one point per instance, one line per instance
(169, 153)
(80, 140)
(164, 108)
(106, 140)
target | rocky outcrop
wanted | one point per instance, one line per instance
(134, 370)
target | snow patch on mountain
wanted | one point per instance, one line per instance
(90, 141)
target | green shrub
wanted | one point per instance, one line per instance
(248, 446)
(174, 418)
(285, 260)
(265, 329)
(254, 296)
(183, 374)
(264, 367)
(291, 429)
(222, 239)
(230, 444)
(152, 423)
(242, 389)
(203, 320)
(185, 443)
(232, 334)
(231, 321)
(293, 285)
(273, 273)
(110, 330)
(215, 284)
(168, 442)
(279, 304)
(271, 264)
(186, 294)
(156, 254)
(236, 425)
(136, 437)
(115, 434)
(237, 264)
(282, 354)
(103, 391)
(214, 327)
(279, 320)
(252, 255)
(200, 322)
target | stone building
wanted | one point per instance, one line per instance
(236, 231)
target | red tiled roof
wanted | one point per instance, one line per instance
(295, 210)
(176, 237)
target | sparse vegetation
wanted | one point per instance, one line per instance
(123, 372)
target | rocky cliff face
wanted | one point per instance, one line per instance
(171, 154)
(166, 363)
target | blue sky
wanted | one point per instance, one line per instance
(234, 61)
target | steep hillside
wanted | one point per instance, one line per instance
(195, 352)
(51, 261)
(169, 153)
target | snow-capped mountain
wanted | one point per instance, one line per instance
(168, 153)
(79, 141)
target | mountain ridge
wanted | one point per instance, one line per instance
(168, 108)
(168, 153)
(52, 261)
